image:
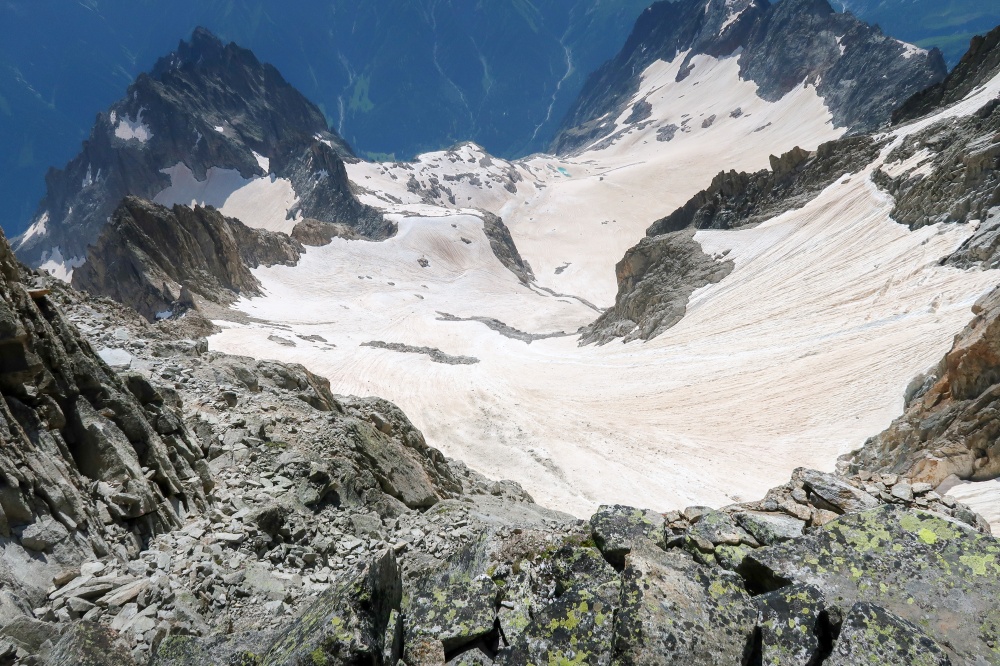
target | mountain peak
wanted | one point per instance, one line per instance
(207, 109)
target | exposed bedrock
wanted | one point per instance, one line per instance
(92, 464)
(950, 172)
(979, 64)
(153, 258)
(655, 280)
(951, 425)
(657, 277)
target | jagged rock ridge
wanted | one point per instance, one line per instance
(861, 74)
(153, 259)
(979, 64)
(206, 105)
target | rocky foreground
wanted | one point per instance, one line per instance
(165, 504)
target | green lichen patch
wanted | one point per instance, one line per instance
(929, 571)
(575, 628)
(616, 528)
(674, 610)
(789, 625)
(872, 636)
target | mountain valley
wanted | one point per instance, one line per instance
(757, 271)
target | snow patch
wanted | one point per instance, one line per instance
(262, 161)
(58, 266)
(911, 50)
(261, 202)
(39, 228)
(127, 129)
(166, 314)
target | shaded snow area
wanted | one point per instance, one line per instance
(261, 202)
(126, 128)
(58, 266)
(796, 357)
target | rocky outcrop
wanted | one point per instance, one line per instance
(979, 64)
(329, 532)
(738, 199)
(206, 105)
(655, 280)
(153, 259)
(861, 74)
(950, 172)
(91, 465)
(657, 277)
(950, 426)
(502, 244)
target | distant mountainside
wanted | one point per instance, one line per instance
(861, 74)
(946, 24)
(500, 73)
(209, 125)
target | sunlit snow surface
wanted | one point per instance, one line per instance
(798, 356)
(261, 202)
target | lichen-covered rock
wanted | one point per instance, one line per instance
(244, 649)
(449, 606)
(346, 624)
(675, 611)
(718, 528)
(770, 528)
(616, 528)
(576, 628)
(940, 575)
(88, 644)
(789, 623)
(872, 636)
(827, 491)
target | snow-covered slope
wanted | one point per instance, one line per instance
(797, 357)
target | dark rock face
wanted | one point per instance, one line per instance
(657, 277)
(205, 105)
(861, 74)
(956, 180)
(979, 64)
(502, 244)
(736, 200)
(655, 280)
(149, 255)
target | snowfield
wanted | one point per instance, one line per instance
(261, 202)
(798, 356)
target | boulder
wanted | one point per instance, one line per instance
(44, 534)
(789, 620)
(930, 571)
(675, 611)
(770, 528)
(872, 636)
(829, 492)
(616, 528)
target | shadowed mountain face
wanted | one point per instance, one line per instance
(223, 119)
(500, 73)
